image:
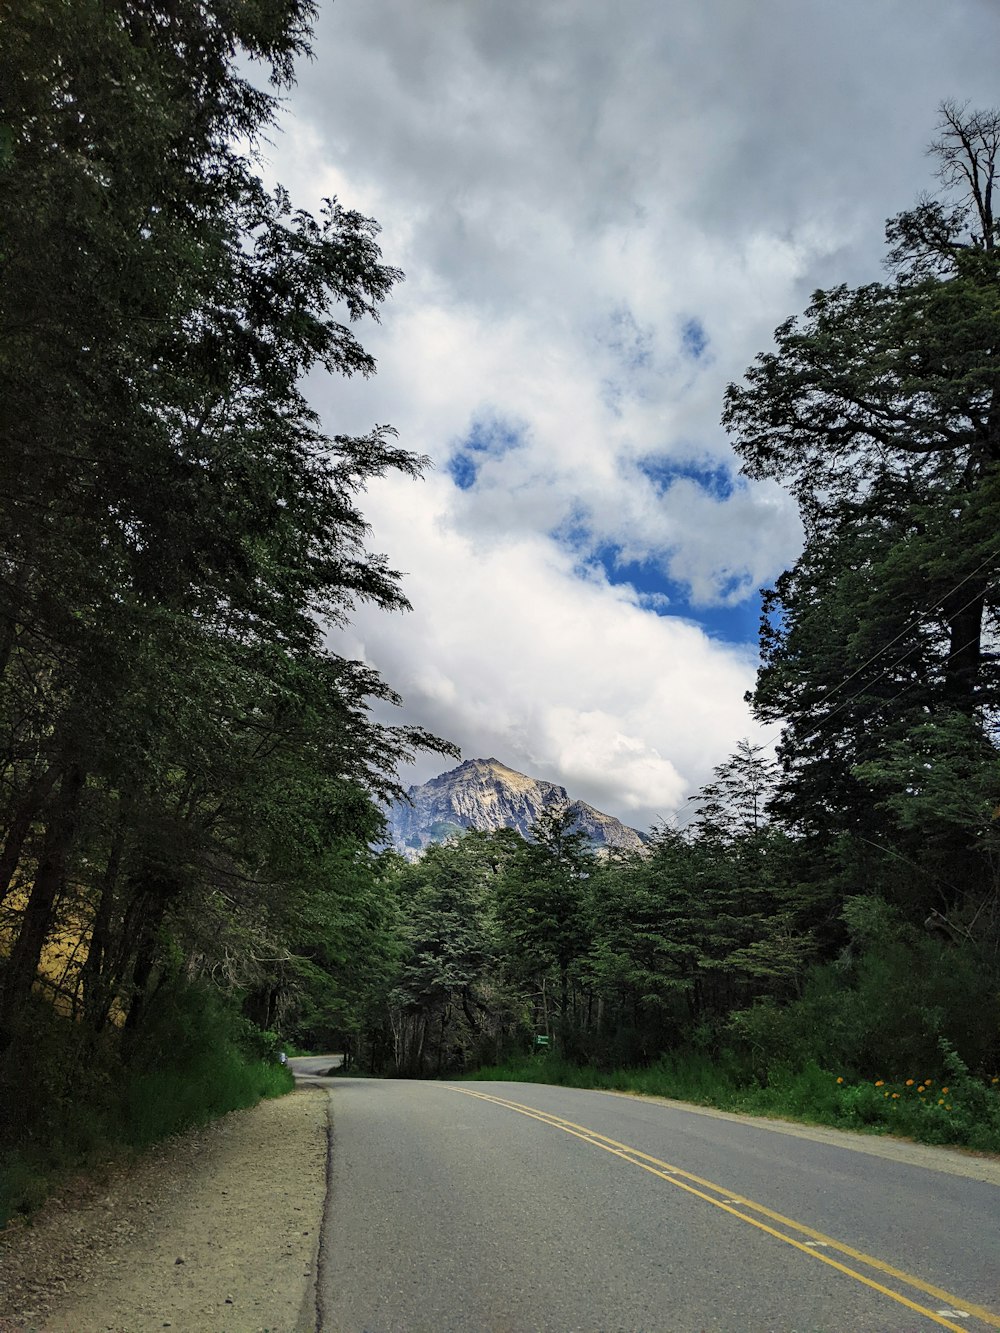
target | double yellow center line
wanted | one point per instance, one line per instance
(814, 1244)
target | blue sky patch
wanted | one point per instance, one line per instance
(488, 437)
(462, 470)
(694, 339)
(718, 480)
(494, 435)
(632, 344)
(666, 597)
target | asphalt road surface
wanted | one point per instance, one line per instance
(516, 1208)
(315, 1064)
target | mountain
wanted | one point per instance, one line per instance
(485, 794)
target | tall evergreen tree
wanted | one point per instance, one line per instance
(542, 911)
(882, 412)
(177, 525)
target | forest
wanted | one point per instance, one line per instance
(823, 937)
(193, 784)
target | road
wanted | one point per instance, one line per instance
(462, 1208)
(315, 1064)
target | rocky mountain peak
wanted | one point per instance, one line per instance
(487, 794)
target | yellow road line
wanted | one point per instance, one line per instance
(672, 1175)
(947, 1298)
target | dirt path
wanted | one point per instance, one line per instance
(213, 1232)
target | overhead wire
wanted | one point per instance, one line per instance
(913, 624)
(880, 652)
(901, 659)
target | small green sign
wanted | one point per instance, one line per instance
(541, 1041)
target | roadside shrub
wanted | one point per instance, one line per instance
(195, 1060)
(887, 1002)
(69, 1098)
(955, 1109)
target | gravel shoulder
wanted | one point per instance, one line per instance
(216, 1231)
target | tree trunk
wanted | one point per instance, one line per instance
(441, 1036)
(473, 1022)
(155, 888)
(97, 993)
(964, 611)
(145, 958)
(22, 967)
(20, 826)
(8, 632)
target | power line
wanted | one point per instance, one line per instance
(913, 624)
(900, 660)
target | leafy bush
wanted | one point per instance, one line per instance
(887, 1003)
(960, 1110)
(80, 1097)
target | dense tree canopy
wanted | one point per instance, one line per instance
(882, 411)
(188, 773)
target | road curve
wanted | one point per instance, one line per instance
(502, 1207)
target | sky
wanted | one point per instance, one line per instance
(602, 211)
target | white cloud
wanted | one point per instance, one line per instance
(510, 653)
(567, 185)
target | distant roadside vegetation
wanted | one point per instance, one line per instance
(963, 1112)
(696, 972)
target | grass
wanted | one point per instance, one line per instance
(152, 1106)
(158, 1104)
(955, 1108)
(76, 1111)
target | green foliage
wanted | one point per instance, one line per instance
(345, 952)
(887, 1002)
(191, 777)
(195, 1060)
(733, 805)
(541, 909)
(80, 1101)
(446, 1007)
(954, 1108)
(968, 1112)
(880, 410)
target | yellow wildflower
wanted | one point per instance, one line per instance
(909, 1082)
(945, 1091)
(940, 1101)
(921, 1088)
(840, 1080)
(895, 1096)
(880, 1082)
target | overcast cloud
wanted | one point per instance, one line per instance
(602, 212)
